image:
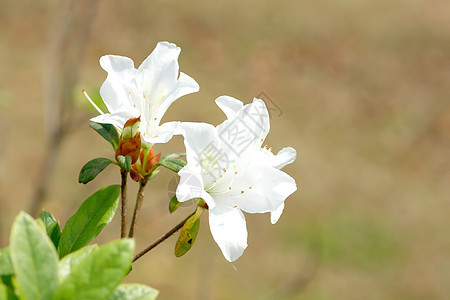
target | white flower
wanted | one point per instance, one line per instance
(146, 92)
(227, 167)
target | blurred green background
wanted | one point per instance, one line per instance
(361, 90)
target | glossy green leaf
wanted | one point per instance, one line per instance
(125, 162)
(51, 227)
(94, 214)
(173, 164)
(134, 292)
(188, 233)
(173, 156)
(108, 132)
(92, 168)
(174, 204)
(6, 267)
(99, 273)
(72, 260)
(34, 259)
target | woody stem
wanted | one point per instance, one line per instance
(162, 238)
(137, 208)
(123, 194)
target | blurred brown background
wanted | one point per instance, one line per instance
(361, 90)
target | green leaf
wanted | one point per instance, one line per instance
(173, 164)
(6, 267)
(173, 156)
(174, 204)
(94, 214)
(72, 260)
(99, 273)
(92, 168)
(6, 293)
(125, 162)
(188, 233)
(34, 259)
(108, 132)
(134, 292)
(51, 226)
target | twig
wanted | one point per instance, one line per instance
(163, 238)
(65, 48)
(123, 196)
(47, 167)
(137, 208)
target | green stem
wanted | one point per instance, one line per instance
(137, 208)
(163, 238)
(123, 194)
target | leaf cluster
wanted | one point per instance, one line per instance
(42, 262)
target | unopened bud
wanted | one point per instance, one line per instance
(134, 173)
(130, 140)
(152, 159)
(152, 162)
(131, 128)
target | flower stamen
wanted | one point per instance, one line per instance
(92, 102)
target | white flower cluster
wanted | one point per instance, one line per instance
(226, 165)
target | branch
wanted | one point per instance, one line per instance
(123, 195)
(163, 238)
(137, 208)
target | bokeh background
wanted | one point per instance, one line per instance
(360, 89)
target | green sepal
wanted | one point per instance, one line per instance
(89, 220)
(188, 233)
(34, 259)
(174, 204)
(124, 162)
(108, 132)
(134, 292)
(52, 227)
(172, 164)
(92, 168)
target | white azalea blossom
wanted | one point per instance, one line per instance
(146, 92)
(227, 167)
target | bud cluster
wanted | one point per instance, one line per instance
(143, 158)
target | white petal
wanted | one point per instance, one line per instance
(162, 134)
(120, 82)
(198, 137)
(229, 230)
(262, 189)
(276, 214)
(229, 105)
(247, 129)
(159, 73)
(118, 118)
(191, 186)
(284, 157)
(163, 54)
(116, 63)
(184, 86)
(160, 84)
(257, 118)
